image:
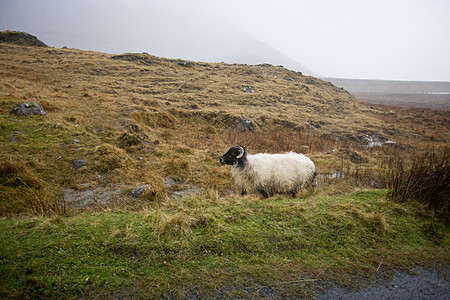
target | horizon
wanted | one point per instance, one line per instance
(401, 41)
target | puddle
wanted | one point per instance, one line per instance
(335, 175)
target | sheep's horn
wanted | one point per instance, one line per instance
(241, 152)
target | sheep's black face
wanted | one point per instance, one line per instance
(236, 155)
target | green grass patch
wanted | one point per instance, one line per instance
(206, 246)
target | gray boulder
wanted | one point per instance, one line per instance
(91, 197)
(246, 124)
(140, 190)
(78, 163)
(28, 109)
(248, 89)
(187, 64)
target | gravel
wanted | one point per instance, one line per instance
(426, 285)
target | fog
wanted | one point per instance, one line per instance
(397, 40)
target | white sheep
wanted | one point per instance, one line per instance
(270, 174)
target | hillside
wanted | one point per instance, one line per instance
(136, 119)
(113, 188)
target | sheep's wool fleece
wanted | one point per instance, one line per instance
(276, 173)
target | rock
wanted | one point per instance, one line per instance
(185, 63)
(79, 163)
(28, 109)
(191, 190)
(169, 182)
(314, 125)
(182, 188)
(142, 59)
(246, 124)
(248, 89)
(140, 190)
(90, 197)
(20, 38)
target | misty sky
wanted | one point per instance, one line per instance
(381, 39)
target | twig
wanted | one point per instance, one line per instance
(379, 265)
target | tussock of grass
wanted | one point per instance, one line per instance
(109, 157)
(16, 174)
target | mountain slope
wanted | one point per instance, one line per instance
(173, 31)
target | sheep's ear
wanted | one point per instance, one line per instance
(241, 152)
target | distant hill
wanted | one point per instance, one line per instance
(20, 38)
(430, 94)
(255, 52)
(194, 36)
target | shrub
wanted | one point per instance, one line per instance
(423, 176)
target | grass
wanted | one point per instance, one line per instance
(209, 246)
(139, 119)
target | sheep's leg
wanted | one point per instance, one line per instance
(314, 180)
(243, 192)
(262, 191)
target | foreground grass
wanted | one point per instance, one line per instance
(234, 247)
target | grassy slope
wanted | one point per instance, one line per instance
(234, 246)
(141, 121)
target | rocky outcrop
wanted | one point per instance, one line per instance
(140, 190)
(20, 38)
(142, 59)
(246, 124)
(28, 109)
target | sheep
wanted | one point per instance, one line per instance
(269, 174)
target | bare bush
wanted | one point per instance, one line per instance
(422, 175)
